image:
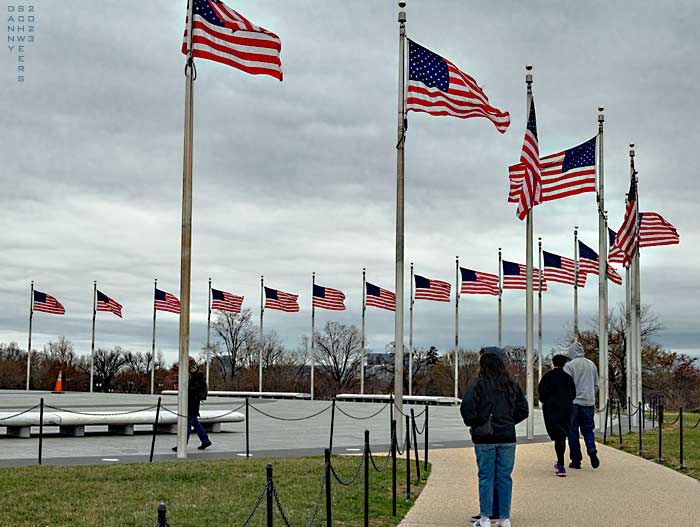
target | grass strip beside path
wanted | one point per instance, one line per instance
(670, 443)
(196, 493)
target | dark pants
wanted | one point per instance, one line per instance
(193, 422)
(560, 449)
(581, 418)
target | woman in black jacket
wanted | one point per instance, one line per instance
(492, 406)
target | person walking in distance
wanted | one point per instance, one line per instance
(196, 393)
(585, 375)
(493, 405)
(557, 392)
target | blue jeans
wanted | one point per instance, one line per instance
(581, 418)
(495, 464)
(193, 422)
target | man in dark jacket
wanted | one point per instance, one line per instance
(196, 393)
(557, 392)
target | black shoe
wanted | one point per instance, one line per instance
(576, 466)
(595, 462)
(204, 445)
(174, 449)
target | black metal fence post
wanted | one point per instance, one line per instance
(660, 411)
(330, 441)
(612, 414)
(619, 422)
(643, 410)
(641, 427)
(414, 430)
(629, 414)
(408, 459)
(329, 511)
(162, 515)
(247, 428)
(155, 431)
(393, 468)
(269, 495)
(391, 407)
(605, 427)
(41, 428)
(680, 419)
(425, 456)
(366, 454)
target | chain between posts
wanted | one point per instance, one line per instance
(361, 418)
(353, 479)
(290, 418)
(20, 413)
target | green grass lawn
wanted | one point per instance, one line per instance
(670, 443)
(196, 493)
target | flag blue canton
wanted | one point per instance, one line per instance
(373, 290)
(427, 67)
(319, 291)
(422, 282)
(511, 269)
(468, 275)
(203, 9)
(271, 293)
(551, 260)
(39, 297)
(160, 295)
(217, 295)
(582, 155)
(532, 120)
(612, 235)
(584, 251)
(101, 297)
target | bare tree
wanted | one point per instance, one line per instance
(339, 350)
(239, 337)
(13, 364)
(108, 364)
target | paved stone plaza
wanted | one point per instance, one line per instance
(268, 437)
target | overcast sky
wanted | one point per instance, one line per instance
(299, 176)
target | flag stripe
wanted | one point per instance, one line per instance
(107, 304)
(381, 298)
(479, 283)
(436, 290)
(328, 298)
(166, 302)
(281, 301)
(47, 304)
(224, 301)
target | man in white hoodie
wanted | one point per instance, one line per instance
(585, 375)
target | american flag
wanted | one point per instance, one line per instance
(224, 301)
(381, 298)
(104, 303)
(531, 190)
(589, 264)
(627, 238)
(427, 289)
(166, 302)
(478, 283)
(47, 304)
(560, 269)
(514, 277)
(563, 174)
(275, 299)
(328, 298)
(655, 230)
(438, 87)
(223, 35)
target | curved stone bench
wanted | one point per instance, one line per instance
(73, 424)
(409, 399)
(252, 395)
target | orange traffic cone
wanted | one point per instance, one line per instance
(59, 383)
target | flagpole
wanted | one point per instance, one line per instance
(500, 298)
(540, 352)
(208, 332)
(364, 308)
(576, 283)
(29, 344)
(186, 247)
(603, 388)
(313, 332)
(528, 294)
(628, 334)
(92, 345)
(456, 324)
(637, 287)
(398, 319)
(260, 348)
(153, 339)
(410, 337)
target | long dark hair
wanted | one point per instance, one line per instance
(493, 372)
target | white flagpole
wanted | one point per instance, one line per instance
(628, 335)
(260, 347)
(603, 388)
(186, 248)
(456, 326)
(92, 345)
(637, 290)
(500, 298)
(313, 333)
(364, 308)
(153, 339)
(410, 337)
(398, 319)
(208, 332)
(528, 294)
(576, 271)
(29, 344)
(540, 352)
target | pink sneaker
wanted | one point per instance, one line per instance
(559, 471)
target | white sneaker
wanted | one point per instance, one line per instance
(504, 523)
(485, 521)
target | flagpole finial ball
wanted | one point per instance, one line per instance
(402, 4)
(600, 108)
(528, 67)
